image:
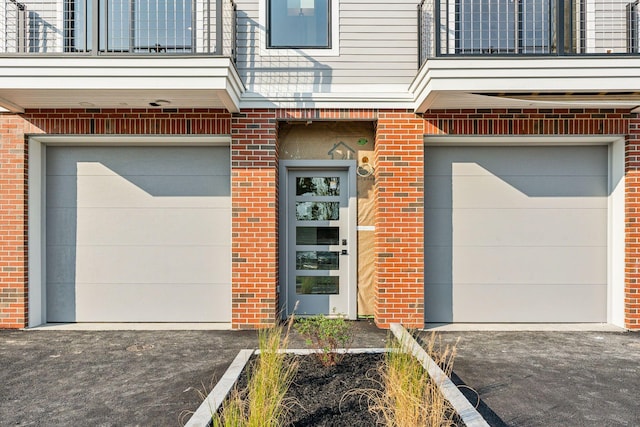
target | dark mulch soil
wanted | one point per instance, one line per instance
(335, 395)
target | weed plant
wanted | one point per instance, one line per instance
(326, 335)
(410, 397)
(263, 403)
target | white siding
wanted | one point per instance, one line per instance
(377, 53)
(606, 26)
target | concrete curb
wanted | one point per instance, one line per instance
(465, 410)
(202, 416)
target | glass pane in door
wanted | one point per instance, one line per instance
(317, 285)
(317, 211)
(317, 186)
(317, 260)
(317, 235)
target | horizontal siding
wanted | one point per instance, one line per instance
(378, 46)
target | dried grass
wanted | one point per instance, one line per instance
(410, 396)
(263, 403)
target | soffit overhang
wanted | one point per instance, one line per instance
(42, 82)
(528, 82)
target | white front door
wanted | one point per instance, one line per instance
(320, 244)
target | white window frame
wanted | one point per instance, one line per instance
(291, 51)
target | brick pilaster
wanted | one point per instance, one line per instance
(632, 226)
(254, 191)
(399, 258)
(13, 223)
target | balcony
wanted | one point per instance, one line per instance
(118, 54)
(528, 53)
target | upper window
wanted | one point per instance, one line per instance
(299, 24)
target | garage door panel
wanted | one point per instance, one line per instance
(131, 226)
(60, 306)
(524, 304)
(531, 227)
(438, 194)
(151, 264)
(438, 230)
(116, 191)
(63, 231)
(61, 264)
(533, 160)
(438, 264)
(61, 192)
(138, 161)
(521, 221)
(441, 311)
(529, 192)
(529, 265)
(171, 302)
(122, 221)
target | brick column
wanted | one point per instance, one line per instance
(254, 192)
(632, 227)
(399, 153)
(13, 223)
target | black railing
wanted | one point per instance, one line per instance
(527, 27)
(119, 27)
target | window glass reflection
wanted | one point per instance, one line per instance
(317, 260)
(317, 211)
(317, 186)
(317, 235)
(299, 23)
(318, 285)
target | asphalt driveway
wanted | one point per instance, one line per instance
(551, 378)
(153, 378)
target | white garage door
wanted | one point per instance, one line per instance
(516, 234)
(138, 234)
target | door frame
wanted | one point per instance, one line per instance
(350, 167)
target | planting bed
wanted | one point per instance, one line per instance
(333, 396)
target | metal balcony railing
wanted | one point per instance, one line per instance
(527, 27)
(118, 27)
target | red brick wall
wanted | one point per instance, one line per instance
(14, 170)
(254, 178)
(527, 122)
(399, 186)
(632, 224)
(399, 257)
(13, 223)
